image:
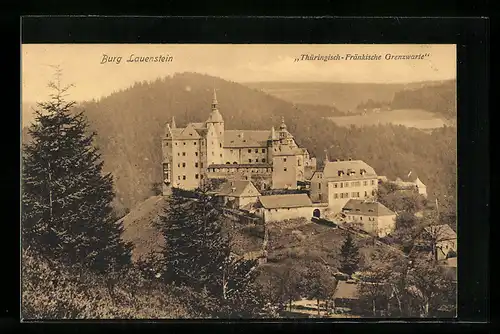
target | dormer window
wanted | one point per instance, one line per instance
(340, 173)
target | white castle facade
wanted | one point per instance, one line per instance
(202, 151)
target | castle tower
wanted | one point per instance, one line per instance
(215, 134)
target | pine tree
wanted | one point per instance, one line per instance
(198, 255)
(349, 256)
(66, 200)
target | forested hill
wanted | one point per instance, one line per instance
(130, 124)
(438, 97)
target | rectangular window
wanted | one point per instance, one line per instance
(178, 165)
(194, 143)
(178, 154)
(249, 160)
(346, 184)
(221, 155)
(201, 176)
(167, 144)
(263, 150)
(256, 150)
(341, 195)
(249, 151)
(183, 164)
(284, 159)
(365, 183)
(319, 185)
(196, 164)
(213, 153)
(284, 169)
(373, 182)
(353, 194)
(183, 177)
(360, 217)
(346, 195)
(183, 154)
(263, 160)
(341, 185)
(335, 185)
(220, 144)
(184, 143)
(176, 143)
(196, 176)
(335, 196)
(366, 194)
(202, 165)
(196, 153)
(178, 177)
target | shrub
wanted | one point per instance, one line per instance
(51, 291)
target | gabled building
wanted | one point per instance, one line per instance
(237, 194)
(373, 217)
(340, 181)
(445, 238)
(411, 182)
(282, 207)
(206, 150)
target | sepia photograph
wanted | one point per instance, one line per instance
(238, 181)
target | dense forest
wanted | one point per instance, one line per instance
(130, 124)
(439, 98)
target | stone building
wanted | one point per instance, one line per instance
(340, 181)
(238, 194)
(373, 217)
(281, 207)
(207, 150)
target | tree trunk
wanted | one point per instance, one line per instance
(317, 303)
(290, 304)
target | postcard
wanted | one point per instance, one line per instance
(238, 181)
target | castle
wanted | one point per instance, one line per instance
(250, 161)
(202, 151)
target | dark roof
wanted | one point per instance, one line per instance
(285, 201)
(235, 188)
(367, 208)
(332, 169)
(246, 138)
(346, 290)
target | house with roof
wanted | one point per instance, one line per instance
(373, 217)
(237, 194)
(280, 207)
(206, 150)
(339, 181)
(444, 237)
(346, 296)
(411, 182)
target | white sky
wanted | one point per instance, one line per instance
(81, 64)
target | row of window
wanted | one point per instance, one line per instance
(361, 218)
(256, 150)
(352, 184)
(233, 170)
(195, 164)
(202, 144)
(353, 195)
(196, 176)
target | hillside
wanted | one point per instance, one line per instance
(130, 124)
(439, 98)
(344, 96)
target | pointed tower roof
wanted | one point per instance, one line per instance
(173, 123)
(214, 100)
(215, 116)
(283, 125)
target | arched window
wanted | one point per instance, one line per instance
(235, 163)
(228, 163)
